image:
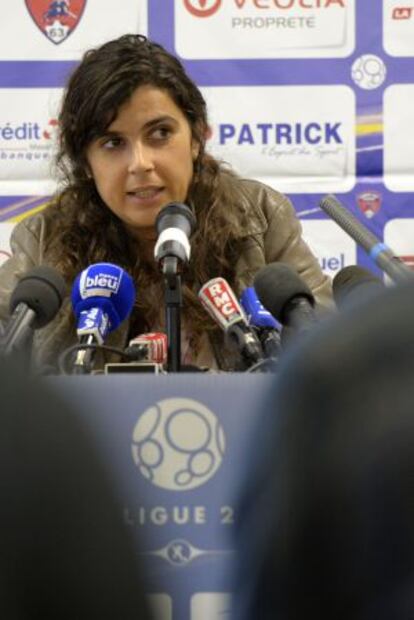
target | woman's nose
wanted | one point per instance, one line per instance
(140, 158)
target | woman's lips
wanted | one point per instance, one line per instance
(145, 194)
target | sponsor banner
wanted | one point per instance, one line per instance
(264, 28)
(399, 137)
(63, 30)
(5, 232)
(271, 136)
(333, 248)
(16, 208)
(399, 236)
(28, 140)
(399, 27)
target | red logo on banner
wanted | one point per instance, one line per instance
(402, 12)
(202, 8)
(51, 130)
(408, 260)
(56, 19)
(369, 203)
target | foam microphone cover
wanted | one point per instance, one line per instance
(276, 285)
(174, 224)
(176, 214)
(107, 287)
(354, 284)
(42, 289)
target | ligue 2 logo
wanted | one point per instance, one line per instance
(178, 444)
(202, 8)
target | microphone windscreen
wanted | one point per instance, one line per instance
(276, 285)
(176, 214)
(42, 289)
(354, 283)
(174, 224)
(257, 314)
(107, 287)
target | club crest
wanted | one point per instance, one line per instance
(56, 19)
(369, 203)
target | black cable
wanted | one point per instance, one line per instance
(64, 356)
(267, 365)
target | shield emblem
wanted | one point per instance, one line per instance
(369, 203)
(56, 19)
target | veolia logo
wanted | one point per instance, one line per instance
(206, 8)
(178, 444)
(202, 8)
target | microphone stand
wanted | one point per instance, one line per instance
(173, 303)
(84, 357)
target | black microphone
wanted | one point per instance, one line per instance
(354, 284)
(174, 224)
(34, 302)
(286, 296)
(383, 256)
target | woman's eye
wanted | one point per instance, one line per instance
(161, 133)
(112, 143)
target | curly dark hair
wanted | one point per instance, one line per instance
(84, 230)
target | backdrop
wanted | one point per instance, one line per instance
(310, 96)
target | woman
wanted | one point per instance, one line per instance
(133, 131)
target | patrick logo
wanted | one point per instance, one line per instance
(202, 8)
(56, 19)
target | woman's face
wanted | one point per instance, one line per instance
(144, 160)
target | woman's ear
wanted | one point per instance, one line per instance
(195, 149)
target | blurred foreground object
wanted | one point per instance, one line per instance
(65, 552)
(327, 524)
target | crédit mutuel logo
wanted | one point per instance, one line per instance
(206, 8)
(27, 140)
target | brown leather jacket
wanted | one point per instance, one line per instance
(275, 235)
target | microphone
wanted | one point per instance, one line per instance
(221, 303)
(265, 325)
(382, 255)
(34, 302)
(354, 284)
(146, 353)
(286, 296)
(103, 296)
(174, 224)
(151, 347)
